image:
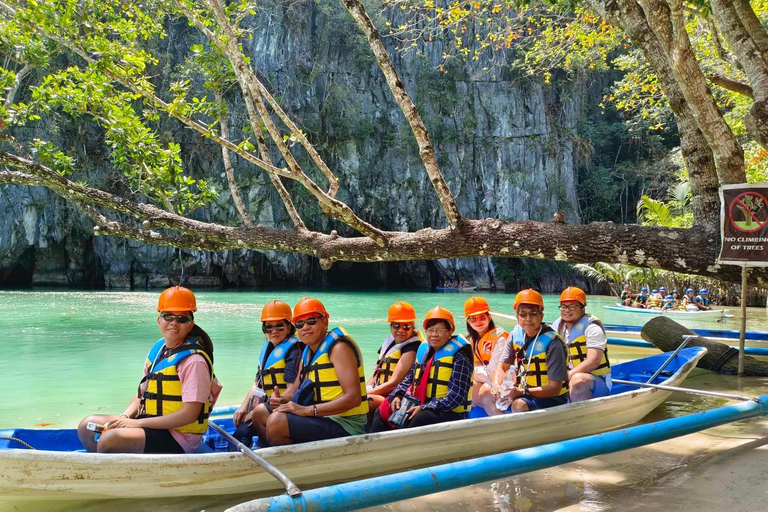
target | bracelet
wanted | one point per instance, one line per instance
(124, 416)
(314, 409)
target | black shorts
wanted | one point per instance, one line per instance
(160, 441)
(304, 429)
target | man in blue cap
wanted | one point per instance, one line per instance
(702, 300)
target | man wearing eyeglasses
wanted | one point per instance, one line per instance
(589, 369)
(540, 356)
(331, 400)
(170, 412)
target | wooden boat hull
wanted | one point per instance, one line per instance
(714, 314)
(40, 474)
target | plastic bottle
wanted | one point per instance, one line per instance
(510, 380)
(220, 443)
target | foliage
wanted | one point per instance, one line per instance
(615, 275)
(114, 34)
(675, 213)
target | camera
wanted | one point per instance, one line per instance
(400, 416)
(94, 427)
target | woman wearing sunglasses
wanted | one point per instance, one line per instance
(276, 380)
(440, 382)
(396, 355)
(170, 412)
(487, 344)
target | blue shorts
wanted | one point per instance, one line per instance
(304, 429)
(600, 387)
(544, 403)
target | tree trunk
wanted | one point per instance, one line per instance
(696, 151)
(749, 54)
(667, 335)
(668, 25)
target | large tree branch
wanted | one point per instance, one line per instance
(667, 21)
(614, 243)
(426, 150)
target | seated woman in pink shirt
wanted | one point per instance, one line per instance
(170, 412)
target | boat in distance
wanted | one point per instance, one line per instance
(712, 314)
(55, 471)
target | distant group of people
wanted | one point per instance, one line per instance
(659, 299)
(311, 382)
(455, 283)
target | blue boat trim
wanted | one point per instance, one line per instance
(750, 351)
(710, 333)
(400, 486)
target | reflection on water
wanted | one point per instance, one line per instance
(73, 353)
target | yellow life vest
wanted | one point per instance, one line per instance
(441, 370)
(163, 393)
(272, 370)
(577, 343)
(534, 359)
(319, 369)
(392, 354)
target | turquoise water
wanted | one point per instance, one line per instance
(69, 354)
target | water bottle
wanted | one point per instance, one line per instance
(220, 443)
(510, 380)
(256, 398)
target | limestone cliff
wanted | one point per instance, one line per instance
(505, 147)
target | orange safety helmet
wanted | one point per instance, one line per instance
(401, 312)
(276, 310)
(176, 299)
(475, 306)
(307, 306)
(572, 293)
(439, 313)
(529, 296)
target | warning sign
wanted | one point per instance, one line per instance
(744, 224)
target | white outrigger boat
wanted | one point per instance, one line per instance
(712, 314)
(55, 471)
